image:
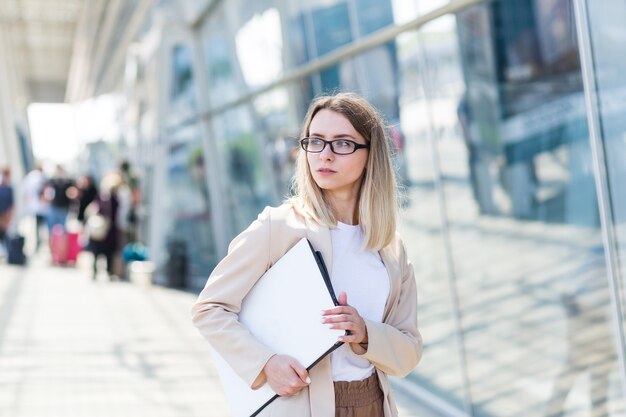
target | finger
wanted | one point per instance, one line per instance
(336, 319)
(292, 391)
(337, 310)
(343, 298)
(345, 325)
(301, 371)
(349, 338)
(291, 388)
(296, 385)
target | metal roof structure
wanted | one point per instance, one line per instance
(40, 35)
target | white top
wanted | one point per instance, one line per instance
(32, 186)
(362, 275)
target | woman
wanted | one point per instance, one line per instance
(345, 204)
(105, 242)
(87, 193)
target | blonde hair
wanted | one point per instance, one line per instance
(377, 205)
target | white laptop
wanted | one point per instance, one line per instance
(298, 283)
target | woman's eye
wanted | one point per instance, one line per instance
(342, 144)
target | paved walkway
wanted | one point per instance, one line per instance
(73, 347)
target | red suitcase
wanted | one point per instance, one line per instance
(58, 245)
(72, 247)
(64, 247)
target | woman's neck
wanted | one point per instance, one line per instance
(344, 208)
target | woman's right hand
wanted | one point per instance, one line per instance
(286, 376)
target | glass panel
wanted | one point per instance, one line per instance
(328, 26)
(404, 10)
(505, 106)
(241, 148)
(281, 123)
(181, 88)
(243, 48)
(440, 371)
(607, 31)
(189, 232)
(221, 62)
(331, 27)
(259, 43)
(372, 15)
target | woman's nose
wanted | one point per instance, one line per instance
(327, 152)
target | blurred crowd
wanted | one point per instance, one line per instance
(69, 215)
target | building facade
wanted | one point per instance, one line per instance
(510, 146)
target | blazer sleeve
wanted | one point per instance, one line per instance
(395, 346)
(216, 311)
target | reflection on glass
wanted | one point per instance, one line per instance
(246, 166)
(221, 62)
(190, 233)
(440, 370)
(511, 134)
(243, 48)
(606, 32)
(327, 26)
(590, 351)
(281, 129)
(404, 10)
(330, 30)
(182, 93)
(497, 90)
(259, 48)
(372, 15)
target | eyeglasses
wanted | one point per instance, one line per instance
(338, 146)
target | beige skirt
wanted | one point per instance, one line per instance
(359, 398)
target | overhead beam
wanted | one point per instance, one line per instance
(115, 66)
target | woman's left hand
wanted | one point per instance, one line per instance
(346, 317)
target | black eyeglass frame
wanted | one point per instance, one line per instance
(357, 146)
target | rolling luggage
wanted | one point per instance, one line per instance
(58, 245)
(72, 247)
(64, 246)
(15, 250)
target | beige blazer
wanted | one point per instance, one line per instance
(395, 346)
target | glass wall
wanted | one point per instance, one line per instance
(499, 211)
(245, 170)
(487, 117)
(189, 231)
(223, 72)
(510, 131)
(280, 131)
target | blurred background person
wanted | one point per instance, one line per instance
(87, 193)
(6, 202)
(35, 205)
(59, 191)
(126, 218)
(102, 214)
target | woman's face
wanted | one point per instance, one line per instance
(336, 174)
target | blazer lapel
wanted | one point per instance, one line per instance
(393, 271)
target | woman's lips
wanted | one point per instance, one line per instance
(325, 171)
